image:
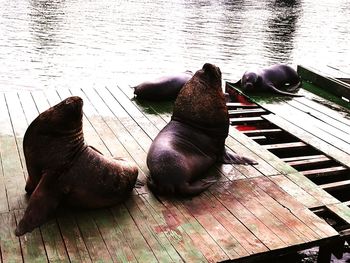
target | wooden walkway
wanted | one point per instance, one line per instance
(258, 211)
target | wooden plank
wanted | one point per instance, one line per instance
(13, 175)
(339, 116)
(173, 230)
(330, 123)
(296, 191)
(246, 238)
(241, 105)
(158, 242)
(250, 221)
(261, 131)
(272, 219)
(72, 238)
(327, 83)
(113, 237)
(316, 173)
(54, 245)
(300, 158)
(287, 145)
(93, 240)
(268, 157)
(257, 111)
(203, 212)
(317, 225)
(9, 243)
(4, 205)
(305, 162)
(32, 246)
(335, 185)
(310, 139)
(312, 188)
(198, 233)
(309, 125)
(235, 121)
(341, 210)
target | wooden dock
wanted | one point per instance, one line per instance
(253, 212)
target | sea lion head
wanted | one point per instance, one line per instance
(201, 102)
(249, 80)
(64, 116)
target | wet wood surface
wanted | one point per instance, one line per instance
(252, 211)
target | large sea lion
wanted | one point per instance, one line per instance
(194, 139)
(63, 168)
(163, 88)
(280, 79)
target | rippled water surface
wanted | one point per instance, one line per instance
(77, 43)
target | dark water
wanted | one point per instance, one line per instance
(76, 43)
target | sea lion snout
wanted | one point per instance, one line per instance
(212, 70)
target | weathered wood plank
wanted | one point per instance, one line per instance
(335, 185)
(246, 238)
(4, 205)
(158, 242)
(268, 157)
(72, 238)
(296, 191)
(203, 212)
(303, 158)
(9, 244)
(287, 145)
(173, 230)
(240, 190)
(342, 210)
(308, 125)
(54, 245)
(328, 83)
(316, 173)
(33, 249)
(93, 240)
(312, 188)
(318, 226)
(250, 221)
(261, 131)
(113, 237)
(310, 139)
(329, 123)
(13, 175)
(198, 233)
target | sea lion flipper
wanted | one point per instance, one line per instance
(232, 158)
(273, 88)
(42, 203)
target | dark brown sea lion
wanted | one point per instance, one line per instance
(280, 79)
(194, 139)
(163, 88)
(62, 168)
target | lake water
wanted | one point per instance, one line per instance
(78, 43)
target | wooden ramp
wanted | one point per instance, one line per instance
(259, 211)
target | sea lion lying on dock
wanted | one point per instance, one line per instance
(194, 139)
(280, 79)
(62, 168)
(163, 88)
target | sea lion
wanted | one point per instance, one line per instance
(194, 139)
(163, 88)
(274, 78)
(62, 168)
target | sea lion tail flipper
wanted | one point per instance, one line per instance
(295, 87)
(195, 188)
(273, 88)
(232, 158)
(42, 203)
(139, 184)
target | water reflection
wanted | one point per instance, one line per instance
(75, 43)
(46, 18)
(281, 27)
